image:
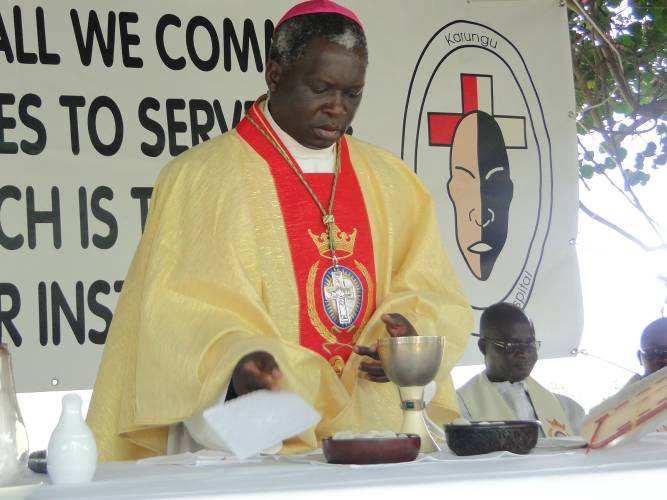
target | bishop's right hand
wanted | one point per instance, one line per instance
(255, 371)
(396, 325)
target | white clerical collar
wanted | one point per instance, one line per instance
(311, 161)
(508, 386)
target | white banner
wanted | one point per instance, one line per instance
(96, 96)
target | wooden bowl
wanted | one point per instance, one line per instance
(518, 436)
(371, 451)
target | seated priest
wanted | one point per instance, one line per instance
(652, 356)
(276, 256)
(505, 390)
(652, 353)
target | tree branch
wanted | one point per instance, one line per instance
(622, 232)
(650, 129)
(602, 103)
(581, 82)
(608, 50)
(615, 186)
(588, 188)
(617, 72)
(615, 154)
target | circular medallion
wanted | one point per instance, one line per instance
(342, 296)
(474, 130)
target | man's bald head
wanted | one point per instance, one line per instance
(655, 334)
(653, 353)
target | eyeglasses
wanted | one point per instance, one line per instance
(654, 352)
(512, 347)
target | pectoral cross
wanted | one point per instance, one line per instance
(340, 293)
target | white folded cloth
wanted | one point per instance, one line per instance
(256, 422)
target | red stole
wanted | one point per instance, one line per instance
(334, 304)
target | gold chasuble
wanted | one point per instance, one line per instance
(235, 258)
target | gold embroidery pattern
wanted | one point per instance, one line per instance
(343, 242)
(369, 302)
(337, 364)
(556, 429)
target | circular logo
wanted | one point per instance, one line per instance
(474, 131)
(342, 296)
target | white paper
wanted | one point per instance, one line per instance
(260, 420)
(198, 459)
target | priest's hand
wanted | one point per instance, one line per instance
(371, 369)
(255, 371)
(397, 326)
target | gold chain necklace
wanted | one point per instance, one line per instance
(327, 215)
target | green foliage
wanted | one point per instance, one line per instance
(619, 52)
(621, 100)
(587, 170)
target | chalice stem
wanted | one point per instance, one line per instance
(414, 418)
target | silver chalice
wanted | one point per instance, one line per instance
(411, 363)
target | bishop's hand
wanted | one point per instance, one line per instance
(396, 325)
(255, 371)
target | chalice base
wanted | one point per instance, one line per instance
(414, 418)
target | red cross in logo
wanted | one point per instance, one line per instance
(476, 95)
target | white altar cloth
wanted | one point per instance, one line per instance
(622, 472)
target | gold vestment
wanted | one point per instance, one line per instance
(212, 280)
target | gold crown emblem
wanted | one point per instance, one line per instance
(556, 429)
(343, 242)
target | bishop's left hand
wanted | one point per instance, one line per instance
(396, 325)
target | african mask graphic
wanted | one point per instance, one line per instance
(481, 191)
(496, 211)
